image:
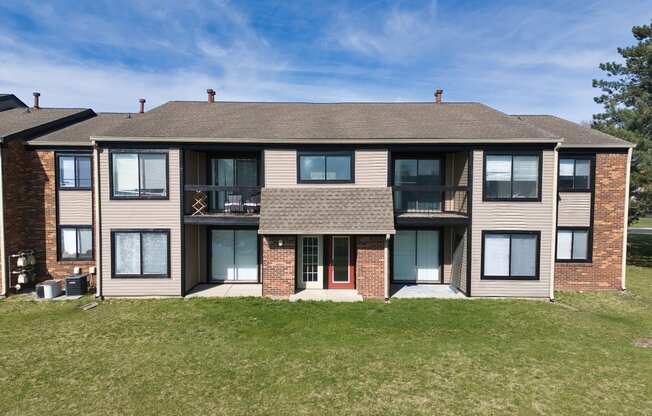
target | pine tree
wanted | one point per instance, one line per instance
(627, 100)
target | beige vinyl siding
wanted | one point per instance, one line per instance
(574, 209)
(75, 207)
(513, 216)
(281, 169)
(141, 214)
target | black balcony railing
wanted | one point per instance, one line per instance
(214, 199)
(428, 199)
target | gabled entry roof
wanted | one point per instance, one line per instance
(326, 210)
(24, 123)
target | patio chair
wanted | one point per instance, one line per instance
(233, 203)
(253, 204)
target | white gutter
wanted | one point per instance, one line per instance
(386, 266)
(98, 223)
(3, 257)
(624, 260)
(554, 224)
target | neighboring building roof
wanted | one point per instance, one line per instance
(79, 134)
(26, 123)
(327, 123)
(574, 135)
(330, 210)
(8, 101)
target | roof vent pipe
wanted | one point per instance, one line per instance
(36, 100)
(438, 95)
(211, 95)
(142, 105)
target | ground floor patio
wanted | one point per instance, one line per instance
(419, 262)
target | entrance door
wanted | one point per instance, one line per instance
(310, 263)
(341, 269)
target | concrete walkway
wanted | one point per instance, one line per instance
(421, 291)
(333, 295)
(226, 290)
(639, 230)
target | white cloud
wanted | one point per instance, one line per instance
(396, 35)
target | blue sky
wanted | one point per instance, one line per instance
(517, 56)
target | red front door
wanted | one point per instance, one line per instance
(341, 262)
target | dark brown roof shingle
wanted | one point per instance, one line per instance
(573, 134)
(79, 134)
(319, 122)
(19, 121)
(330, 210)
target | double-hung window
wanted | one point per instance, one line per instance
(510, 255)
(574, 174)
(74, 171)
(325, 167)
(573, 244)
(139, 175)
(141, 253)
(76, 242)
(512, 177)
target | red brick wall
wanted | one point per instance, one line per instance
(278, 266)
(370, 266)
(604, 272)
(30, 209)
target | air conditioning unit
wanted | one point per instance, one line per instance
(76, 285)
(49, 289)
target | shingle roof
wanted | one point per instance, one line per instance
(574, 135)
(330, 210)
(79, 134)
(24, 122)
(319, 122)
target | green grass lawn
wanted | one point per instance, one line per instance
(645, 222)
(256, 356)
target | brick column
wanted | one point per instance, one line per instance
(370, 266)
(604, 272)
(279, 254)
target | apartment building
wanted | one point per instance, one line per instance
(362, 197)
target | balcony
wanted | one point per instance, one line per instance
(222, 188)
(445, 203)
(214, 204)
(431, 189)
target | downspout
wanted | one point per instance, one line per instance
(624, 260)
(98, 223)
(3, 255)
(554, 223)
(386, 267)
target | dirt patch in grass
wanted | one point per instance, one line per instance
(643, 343)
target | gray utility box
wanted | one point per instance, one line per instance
(76, 284)
(49, 289)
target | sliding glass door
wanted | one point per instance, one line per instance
(235, 173)
(234, 255)
(417, 256)
(413, 179)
